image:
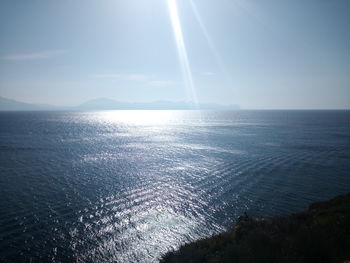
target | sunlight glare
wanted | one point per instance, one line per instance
(138, 117)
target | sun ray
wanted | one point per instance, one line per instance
(182, 51)
(210, 42)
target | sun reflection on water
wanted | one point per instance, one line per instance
(139, 117)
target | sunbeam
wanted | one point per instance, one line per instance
(182, 51)
(210, 42)
(205, 33)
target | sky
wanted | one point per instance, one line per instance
(271, 54)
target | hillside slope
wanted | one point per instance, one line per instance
(320, 234)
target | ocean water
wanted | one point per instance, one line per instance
(128, 186)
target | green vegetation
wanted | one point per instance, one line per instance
(320, 234)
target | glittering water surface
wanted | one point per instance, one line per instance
(128, 186)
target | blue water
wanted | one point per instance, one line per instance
(128, 186)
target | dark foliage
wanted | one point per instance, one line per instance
(320, 234)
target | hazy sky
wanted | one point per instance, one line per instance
(255, 53)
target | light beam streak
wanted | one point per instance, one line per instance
(210, 42)
(182, 51)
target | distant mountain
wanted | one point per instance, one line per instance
(13, 105)
(109, 104)
(103, 104)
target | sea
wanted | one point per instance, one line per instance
(129, 186)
